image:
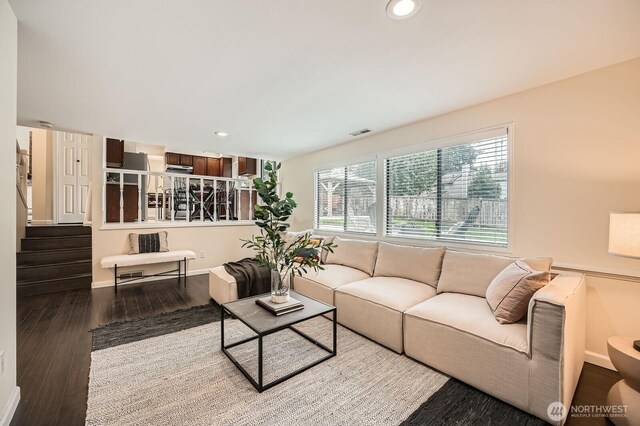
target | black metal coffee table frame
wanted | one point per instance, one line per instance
(259, 385)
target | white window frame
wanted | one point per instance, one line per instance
(330, 166)
(381, 196)
(464, 138)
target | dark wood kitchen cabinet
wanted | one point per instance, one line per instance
(200, 166)
(175, 159)
(214, 167)
(171, 158)
(186, 160)
(130, 202)
(115, 152)
(208, 166)
(247, 166)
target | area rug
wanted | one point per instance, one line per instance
(175, 374)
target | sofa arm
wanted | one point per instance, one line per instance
(557, 328)
(222, 286)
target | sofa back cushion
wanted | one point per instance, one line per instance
(538, 263)
(354, 253)
(325, 252)
(469, 273)
(414, 263)
(291, 236)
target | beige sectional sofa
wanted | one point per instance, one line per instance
(429, 303)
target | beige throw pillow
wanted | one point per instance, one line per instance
(354, 253)
(511, 290)
(413, 263)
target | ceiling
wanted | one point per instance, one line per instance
(285, 77)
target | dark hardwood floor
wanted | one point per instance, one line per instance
(54, 346)
(54, 342)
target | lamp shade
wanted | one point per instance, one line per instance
(624, 234)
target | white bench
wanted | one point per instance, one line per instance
(123, 260)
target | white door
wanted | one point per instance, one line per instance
(73, 176)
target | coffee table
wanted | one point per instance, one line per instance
(264, 323)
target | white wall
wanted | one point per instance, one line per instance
(42, 179)
(575, 159)
(8, 104)
(219, 243)
(22, 192)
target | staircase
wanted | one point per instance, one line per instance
(54, 258)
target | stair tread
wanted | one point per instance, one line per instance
(74, 225)
(45, 251)
(68, 262)
(70, 277)
(57, 237)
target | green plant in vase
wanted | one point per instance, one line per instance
(285, 258)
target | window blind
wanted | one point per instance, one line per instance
(457, 192)
(345, 198)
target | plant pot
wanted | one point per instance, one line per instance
(279, 291)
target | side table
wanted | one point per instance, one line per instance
(627, 391)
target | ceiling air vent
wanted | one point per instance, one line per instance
(360, 132)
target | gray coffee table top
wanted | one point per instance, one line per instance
(262, 321)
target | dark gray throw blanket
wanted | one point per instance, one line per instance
(252, 279)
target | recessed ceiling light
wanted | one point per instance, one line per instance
(402, 9)
(45, 124)
(221, 134)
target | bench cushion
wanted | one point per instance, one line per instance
(146, 258)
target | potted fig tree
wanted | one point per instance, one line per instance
(285, 257)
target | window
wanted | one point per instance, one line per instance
(346, 198)
(457, 192)
(263, 172)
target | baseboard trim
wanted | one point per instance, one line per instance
(598, 359)
(109, 283)
(10, 408)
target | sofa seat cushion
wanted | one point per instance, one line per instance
(374, 307)
(471, 315)
(321, 285)
(393, 292)
(334, 276)
(458, 335)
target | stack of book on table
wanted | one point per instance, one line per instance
(280, 308)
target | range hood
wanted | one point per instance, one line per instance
(174, 168)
